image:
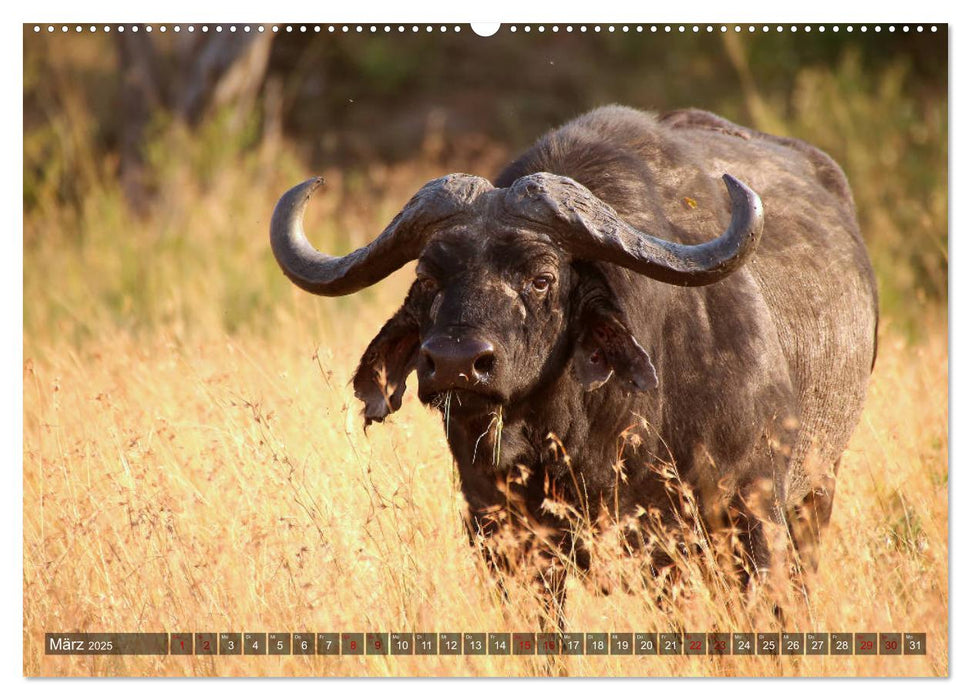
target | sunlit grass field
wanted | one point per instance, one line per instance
(194, 458)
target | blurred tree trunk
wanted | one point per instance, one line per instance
(222, 70)
(141, 96)
(198, 75)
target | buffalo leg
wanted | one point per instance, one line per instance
(808, 520)
(509, 549)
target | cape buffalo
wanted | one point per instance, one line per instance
(697, 281)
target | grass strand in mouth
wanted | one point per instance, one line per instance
(497, 449)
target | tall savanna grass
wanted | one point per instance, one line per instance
(194, 458)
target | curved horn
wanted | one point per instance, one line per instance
(589, 227)
(435, 203)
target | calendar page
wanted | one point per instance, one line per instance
(531, 350)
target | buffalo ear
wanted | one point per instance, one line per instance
(380, 377)
(607, 347)
(589, 365)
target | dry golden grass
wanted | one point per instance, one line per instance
(224, 483)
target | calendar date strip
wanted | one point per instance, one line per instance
(487, 643)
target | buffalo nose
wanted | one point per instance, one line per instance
(452, 362)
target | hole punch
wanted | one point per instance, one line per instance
(487, 29)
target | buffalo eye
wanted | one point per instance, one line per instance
(427, 283)
(541, 283)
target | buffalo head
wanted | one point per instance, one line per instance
(505, 293)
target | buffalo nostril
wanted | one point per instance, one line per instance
(453, 362)
(484, 364)
(428, 360)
